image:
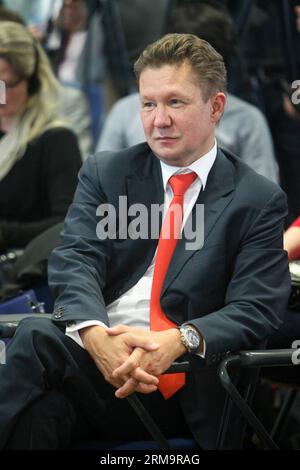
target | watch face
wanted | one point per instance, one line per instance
(192, 338)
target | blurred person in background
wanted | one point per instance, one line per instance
(74, 43)
(39, 155)
(271, 48)
(72, 103)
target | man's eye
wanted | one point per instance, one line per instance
(175, 103)
(148, 105)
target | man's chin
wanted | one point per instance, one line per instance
(167, 155)
(168, 158)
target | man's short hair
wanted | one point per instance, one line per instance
(177, 49)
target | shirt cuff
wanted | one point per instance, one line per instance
(73, 330)
(202, 354)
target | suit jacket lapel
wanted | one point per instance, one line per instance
(217, 195)
(145, 186)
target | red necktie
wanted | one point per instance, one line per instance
(169, 235)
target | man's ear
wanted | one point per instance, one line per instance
(218, 102)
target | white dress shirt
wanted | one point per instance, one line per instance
(133, 307)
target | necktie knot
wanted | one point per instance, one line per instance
(180, 183)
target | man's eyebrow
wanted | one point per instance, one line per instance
(145, 97)
(168, 95)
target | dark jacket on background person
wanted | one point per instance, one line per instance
(38, 190)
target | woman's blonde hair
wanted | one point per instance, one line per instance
(30, 62)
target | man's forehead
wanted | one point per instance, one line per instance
(171, 77)
(171, 66)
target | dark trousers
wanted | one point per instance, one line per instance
(52, 394)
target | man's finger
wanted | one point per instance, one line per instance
(134, 340)
(117, 330)
(127, 388)
(141, 375)
(132, 386)
(129, 365)
(132, 367)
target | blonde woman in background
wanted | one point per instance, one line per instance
(39, 154)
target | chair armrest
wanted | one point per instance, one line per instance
(260, 358)
(9, 323)
(178, 367)
(247, 359)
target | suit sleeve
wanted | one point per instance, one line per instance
(77, 269)
(258, 291)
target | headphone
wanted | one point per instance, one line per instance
(34, 81)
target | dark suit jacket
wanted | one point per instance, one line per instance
(234, 290)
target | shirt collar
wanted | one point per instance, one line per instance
(202, 167)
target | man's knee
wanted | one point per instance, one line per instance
(33, 326)
(33, 332)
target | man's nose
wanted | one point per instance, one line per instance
(162, 117)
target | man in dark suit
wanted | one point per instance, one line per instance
(121, 294)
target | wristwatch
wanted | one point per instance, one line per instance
(190, 338)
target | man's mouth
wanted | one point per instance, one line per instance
(165, 137)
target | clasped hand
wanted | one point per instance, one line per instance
(131, 359)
